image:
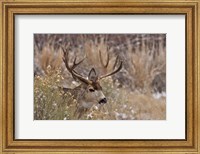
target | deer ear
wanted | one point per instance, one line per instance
(92, 75)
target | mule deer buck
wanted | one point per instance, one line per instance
(89, 92)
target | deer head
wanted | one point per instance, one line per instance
(91, 89)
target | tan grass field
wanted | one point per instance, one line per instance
(136, 92)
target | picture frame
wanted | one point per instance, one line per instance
(154, 7)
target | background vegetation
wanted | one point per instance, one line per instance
(137, 92)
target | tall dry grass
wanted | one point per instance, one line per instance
(146, 64)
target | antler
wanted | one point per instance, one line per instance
(71, 69)
(115, 71)
(107, 59)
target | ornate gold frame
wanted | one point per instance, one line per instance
(190, 8)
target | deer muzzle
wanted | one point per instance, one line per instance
(103, 101)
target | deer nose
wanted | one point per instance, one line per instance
(104, 100)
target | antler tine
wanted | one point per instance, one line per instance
(71, 69)
(65, 58)
(107, 59)
(115, 64)
(115, 71)
(76, 64)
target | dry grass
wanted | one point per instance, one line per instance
(130, 93)
(145, 65)
(53, 104)
(47, 57)
(124, 105)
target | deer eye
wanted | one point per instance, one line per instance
(91, 90)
